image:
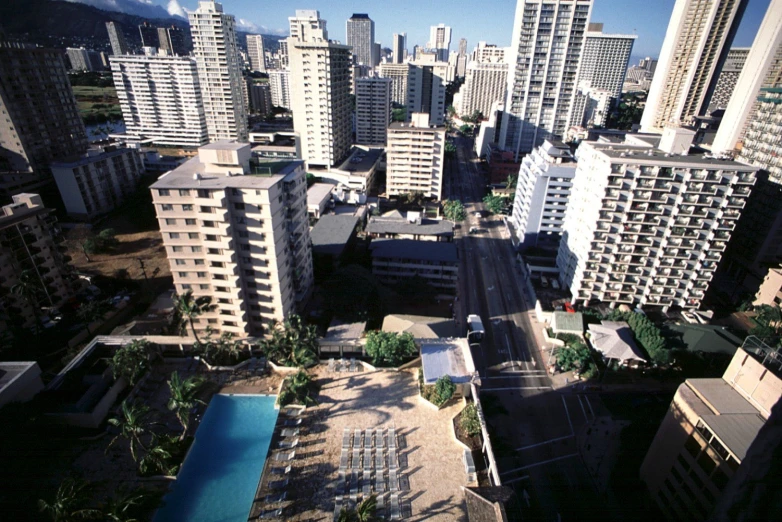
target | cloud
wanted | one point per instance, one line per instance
(174, 9)
(251, 27)
(144, 8)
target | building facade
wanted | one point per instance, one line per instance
(260, 97)
(729, 76)
(98, 181)
(160, 97)
(280, 85)
(542, 194)
(373, 110)
(149, 35)
(219, 71)
(426, 84)
(397, 260)
(398, 48)
(440, 41)
(398, 73)
(484, 84)
(360, 31)
(256, 52)
(544, 71)
(117, 39)
(646, 225)
(79, 58)
(236, 231)
(696, 44)
(415, 157)
(489, 53)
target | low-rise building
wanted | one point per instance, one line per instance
(770, 292)
(393, 225)
(98, 181)
(437, 263)
(357, 172)
(19, 381)
(419, 326)
(614, 341)
(415, 158)
(448, 357)
(334, 236)
(318, 199)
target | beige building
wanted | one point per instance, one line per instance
(280, 84)
(484, 84)
(373, 110)
(236, 230)
(256, 52)
(415, 157)
(398, 74)
(29, 255)
(426, 85)
(770, 292)
(705, 436)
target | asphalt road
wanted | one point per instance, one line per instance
(534, 427)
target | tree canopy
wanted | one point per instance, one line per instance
(389, 349)
(454, 210)
(292, 343)
(494, 204)
(647, 334)
(131, 361)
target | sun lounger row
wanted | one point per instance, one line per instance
(343, 365)
(358, 459)
(369, 438)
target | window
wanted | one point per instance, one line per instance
(676, 474)
(166, 207)
(706, 463)
(210, 224)
(211, 237)
(173, 235)
(183, 274)
(201, 274)
(249, 272)
(203, 193)
(186, 287)
(720, 479)
(199, 261)
(251, 284)
(247, 260)
(255, 308)
(243, 234)
(229, 323)
(184, 192)
(192, 235)
(180, 262)
(203, 287)
(244, 248)
(239, 206)
(187, 208)
(176, 248)
(195, 249)
(190, 222)
(211, 321)
(170, 221)
(163, 192)
(236, 192)
(692, 446)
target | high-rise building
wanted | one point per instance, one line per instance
(542, 194)
(260, 97)
(398, 47)
(219, 71)
(30, 255)
(649, 64)
(306, 24)
(79, 58)
(398, 73)
(41, 117)
(729, 76)
(149, 35)
(283, 54)
(177, 41)
(463, 47)
(484, 84)
(236, 230)
(256, 52)
(603, 68)
(440, 41)
(160, 97)
(377, 52)
(646, 224)
(373, 110)
(280, 85)
(426, 90)
(705, 438)
(696, 44)
(361, 37)
(547, 45)
(320, 96)
(489, 53)
(117, 39)
(164, 43)
(415, 157)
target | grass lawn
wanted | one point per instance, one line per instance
(97, 103)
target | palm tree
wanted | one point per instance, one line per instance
(292, 343)
(68, 502)
(134, 423)
(184, 398)
(189, 307)
(158, 458)
(91, 311)
(364, 512)
(769, 316)
(122, 506)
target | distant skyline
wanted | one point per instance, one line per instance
(474, 21)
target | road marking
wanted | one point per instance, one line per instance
(583, 410)
(567, 412)
(539, 464)
(586, 397)
(551, 441)
(511, 388)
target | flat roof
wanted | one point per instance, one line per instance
(707, 338)
(414, 250)
(182, 176)
(421, 327)
(720, 396)
(737, 432)
(409, 126)
(395, 223)
(10, 371)
(440, 357)
(361, 161)
(318, 192)
(570, 322)
(624, 153)
(331, 234)
(224, 145)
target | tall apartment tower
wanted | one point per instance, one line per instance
(219, 71)
(256, 52)
(176, 40)
(398, 73)
(415, 157)
(29, 253)
(543, 71)
(484, 84)
(79, 58)
(440, 41)
(361, 37)
(280, 85)
(463, 47)
(307, 24)
(41, 118)
(729, 76)
(696, 45)
(398, 48)
(149, 35)
(160, 97)
(705, 439)
(164, 44)
(647, 225)
(490, 53)
(373, 110)
(603, 68)
(320, 95)
(426, 91)
(283, 54)
(236, 231)
(117, 39)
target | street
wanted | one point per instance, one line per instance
(534, 428)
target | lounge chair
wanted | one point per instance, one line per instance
(346, 438)
(290, 432)
(367, 490)
(380, 482)
(369, 437)
(393, 462)
(380, 461)
(393, 481)
(396, 512)
(368, 460)
(271, 513)
(342, 480)
(379, 439)
(340, 366)
(291, 422)
(279, 470)
(276, 499)
(283, 456)
(331, 365)
(352, 365)
(337, 508)
(278, 484)
(358, 440)
(343, 459)
(392, 437)
(356, 458)
(353, 483)
(380, 507)
(289, 444)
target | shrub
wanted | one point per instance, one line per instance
(388, 349)
(444, 389)
(469, 421)
(299, 389)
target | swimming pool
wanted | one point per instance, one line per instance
(220, 475)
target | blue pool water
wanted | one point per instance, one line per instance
(218, 480)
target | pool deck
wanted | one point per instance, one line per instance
(430, 460)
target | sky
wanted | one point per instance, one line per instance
(490, 21)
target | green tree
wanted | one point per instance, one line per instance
(292, 343)
(469, 420)
(224, 351)
(451, 111)
(454, 210)
(299, 389)
(125, 505)
(69, 502)
(134, 423)
(466, 129)
(390, 349)
(512, 181)
(92, 311)
(450, 149)
(444, 389)
(131, 361)
(103, 242)
(646, 334)
(184, 397)
(494, 204)
(576, 356)
(399, 114)
(188, 308)
(770, 319)
(164, 457)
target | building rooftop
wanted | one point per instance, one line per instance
(737, 432)
(184, 175)
(340, 331)
(452, 357)
(414, 250)
(567, 322)
(361, 162)
(318, 192)
(614, 340)
(421, 327)
(400, 125)
(720, 396)
(395, 223)
(331, 234)
(624, 153)
(10, 371)
(707, 338)
(224, 145)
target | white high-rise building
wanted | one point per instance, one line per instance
(283, 54)
(647, 225)
(415, 157)
(484, 84)
(280, 84)
(545, 55)
(373, 110)
(160, 97)
(79, 58)
(256, 52)
(489, 53)
(603, 68)
(440, 41)
(399, 43)
(320, 96)
(360, 31)
(236, 231)
(696, 44)
(305, 24)
(219, 71)
(426, 90)
(117, 39)
(398, 73)
(729, 77)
